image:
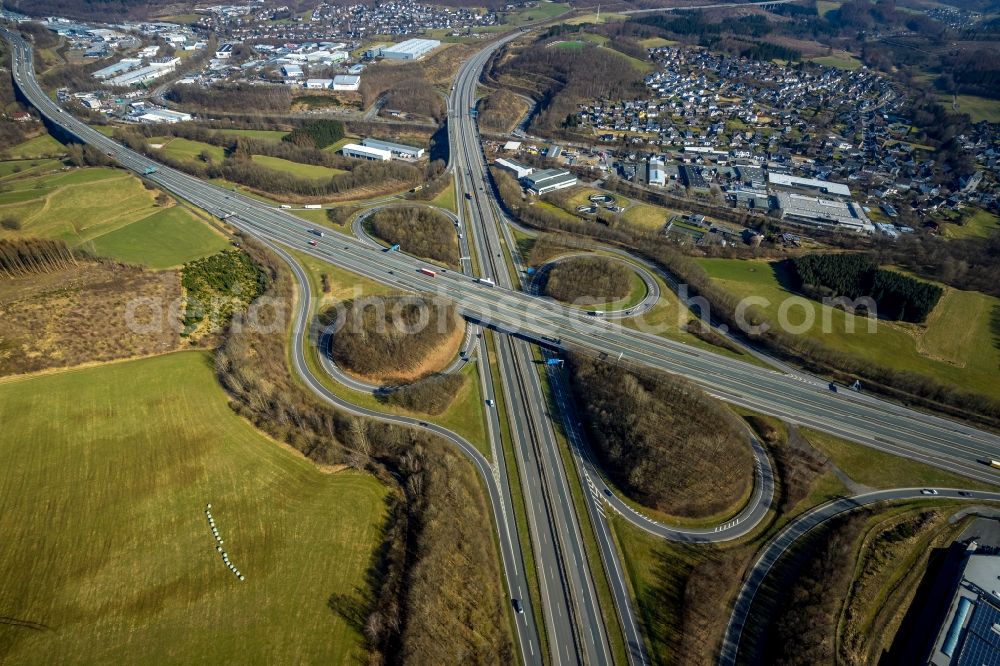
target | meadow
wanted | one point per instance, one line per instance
(297, 169)
(955, 344)
(108, 556)
(110, 212)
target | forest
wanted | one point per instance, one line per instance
(663, 441)
(587, 280)
(391, 339)
(33, 255)
(422, 232)
(316, 134)
(897, 296)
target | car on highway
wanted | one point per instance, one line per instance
(928, 491)
(964, 493)
(313, 243)
(832, 387)
(490, 402)
(518, 608)
(607, 492)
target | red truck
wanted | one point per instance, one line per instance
(428, 272)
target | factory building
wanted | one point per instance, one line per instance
(548, 180)
(346, 82)
(163, 116)
(808, 185)
(119, 67)
(366, 153)
(519, 170)
(411, 49)
(318, 84)
(816, 211)
(224, 52)
(397, 150)
(657, 172)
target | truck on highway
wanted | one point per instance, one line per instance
(312, 206)
(392, 248)
(148, 170)
(284, 206)
(428, 272)
(995, 463)
(487, 281)
(315, 232)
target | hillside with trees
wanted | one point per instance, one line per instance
(562, 78)
(587, 280)
(500, 111)
(897, 296)
(396, 339)
(316, 134)
(661, 440)
(422, 232)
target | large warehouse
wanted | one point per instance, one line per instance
(397, 150)
(366, 153)
(411, 49)
(803, 209)
(548, 180)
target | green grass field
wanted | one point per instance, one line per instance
(171, 237)
(297, 169)
(979, 224)
(106, 475)
(186, 149)
(840, 62)
(541, 12)
(18, 168)
(955, 345)
(98, 208)
(270, 135)
(574, 45)
(40, 146)
(978, 108)
(884, 470)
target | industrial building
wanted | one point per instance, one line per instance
(519, 170)
(816, 211)
(969, 635)
(291, 71)
(397, 150)
(224, 52)
(693, 178)
(657, 172)
(123, 65)
(366, 153)
(163, 116)
(411, 49)
(548, 180)
(346, 82)
(810, 185)
(318, 84)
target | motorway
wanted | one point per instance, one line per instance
(798, 398)
(803, 400)
(572, 613)
(801, 526)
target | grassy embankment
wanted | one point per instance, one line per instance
(120, 564)
(955, 344)
(109, 212)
